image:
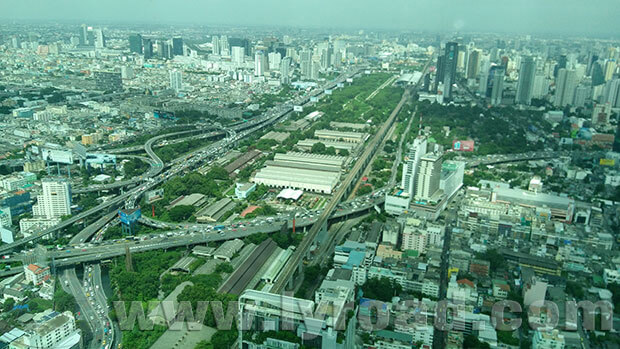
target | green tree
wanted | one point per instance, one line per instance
(181, 213)
(343, 152)
(318, 148)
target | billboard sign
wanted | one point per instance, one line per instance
(298, 108)
(463, 145)
(340, 84)
(607, 162)
(314, 99)
(328, 92)
(349, 79)
(55, 155)
(99, 159)
(128, 217)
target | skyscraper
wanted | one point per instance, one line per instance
(560, 65)
(305, 63)
(238, 55)
(429, 175)
(274, 60)
(485, 65)
(611, 93)
(610, 69)
(224, 46)
(55, 200)
(473, 64)
(176, 80)
(598, 77)
(525, 84)
(83, 35)
(565, 88)
(148, 48)
(215, 43)
(99, 38)
(285, 66)
(177, 46)
(449, 71)
(497, 88)
(260, 63)
(135, 43)
(410, 168)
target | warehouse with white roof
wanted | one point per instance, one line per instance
(308, 172)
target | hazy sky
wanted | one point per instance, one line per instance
(526, 16)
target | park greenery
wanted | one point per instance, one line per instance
(134, 167)
(382, 289)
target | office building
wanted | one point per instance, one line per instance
(565, 88)
(473, 64)
(108, 81)
(177, 46)
(99, 38)
(215, 45)
(260, 63)
(238, 55)
(135, 43)
(525, 85)
(429, 176)
(55, 201)
(485, 66)
(412, 162)
(285, 74)
(224, 46)
(611, 93)
(83, 35)
(147, 48)
(449, 68)
(305, 64)
(610, 69)
(497, 88)
(176, 80)
(274, 59)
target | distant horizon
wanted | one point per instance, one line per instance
(181, 25)
(570, 18)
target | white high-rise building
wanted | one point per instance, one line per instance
(412, 161)
(260, 63)
(176, 80)
(55, 201)
(99, 38)
(485, 65)
(305, 64)
(224, 46)
(215, 42)
(428, 176)
(5, 217)
(274, 60)
(285, 66)
(565, 88)
(525, 85)
(238, 55)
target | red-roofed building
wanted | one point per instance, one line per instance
(465, 282)
(36, 274)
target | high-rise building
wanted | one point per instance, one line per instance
(473, 64)
(598, 76)
(412, 161)
(449, 71)
(582, 94)
(224, 46)
(108, 81)
(55, 200)
(135, 43)
(315, 70)
(611, 93)
(260, 63)
(176, 80)
(148, 48)
(285, 66)
(525, 85)
(240, 42)
(99, 38)
(496, 77)
(610, 69)
(541, 86)
(238, 55)
(164, 49)
(215, 44)
(565, 88)
(274, 60)
(83, 35)
(326, 57)
(428, 176)
(560, 65)
(305, 63)
(485, 65)
(177, 46)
